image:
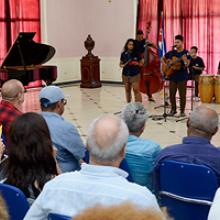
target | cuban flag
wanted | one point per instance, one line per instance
(161, 39)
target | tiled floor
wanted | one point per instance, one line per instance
(85, 104)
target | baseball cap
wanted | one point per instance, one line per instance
(50, 95)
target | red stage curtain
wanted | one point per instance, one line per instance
(18, 16)
(148, 12)
(198, 21)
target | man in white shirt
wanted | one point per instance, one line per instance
(214, 213)
(100, 182)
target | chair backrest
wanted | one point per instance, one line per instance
(15, 200)
(53, 216)
(187, 190)
(3, 137)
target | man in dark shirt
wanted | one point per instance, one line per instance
(178, 80)
(196, 148)
(140, 47)
(12, 99)
(196, 67)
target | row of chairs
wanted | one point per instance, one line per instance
(186, 190)
(18, 205)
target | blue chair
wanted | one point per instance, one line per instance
(53, 216)
(3, 137)
(187, 190)
(15, 200)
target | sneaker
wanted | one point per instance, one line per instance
(197, 99)
(172, 113)
(151, 100)
(166, 103)
(181, 115)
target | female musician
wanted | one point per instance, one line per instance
(131, 72)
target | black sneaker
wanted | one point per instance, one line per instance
(172, 113)
(151, 100)
(181, 115)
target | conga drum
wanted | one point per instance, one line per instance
(217, 88)
(206, 88)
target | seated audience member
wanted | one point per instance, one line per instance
(65, 137)
(30, 162)
(140, 153)
(10, 107)
(100, 182)
(196, 148)
(214, 212)
(3, 210)
(120, 212)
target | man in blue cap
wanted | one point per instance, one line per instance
(65, 137)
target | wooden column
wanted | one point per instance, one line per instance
(90, 67)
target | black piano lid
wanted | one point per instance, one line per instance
(26, 52)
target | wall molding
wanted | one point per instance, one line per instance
(69, 69)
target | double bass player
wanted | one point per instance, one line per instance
(142, 45)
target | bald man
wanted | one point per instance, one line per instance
(100, 182)
(196, 148)
(10, 107)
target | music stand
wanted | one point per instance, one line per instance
(165, 106)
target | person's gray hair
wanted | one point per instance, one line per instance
(107, 136)
(204, 119)
(135, 116)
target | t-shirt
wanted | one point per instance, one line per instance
(140, 46)
(130, 69)
(181, 74)
(198, 62)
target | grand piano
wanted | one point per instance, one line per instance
(24, 61)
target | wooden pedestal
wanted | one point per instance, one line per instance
(90, 72)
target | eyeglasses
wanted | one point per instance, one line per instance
(64, 101)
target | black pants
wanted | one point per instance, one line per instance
(196, 79)
(181, 86)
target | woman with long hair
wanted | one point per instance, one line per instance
(130, 62)
(31, 161)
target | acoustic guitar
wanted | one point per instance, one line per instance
(172, 65)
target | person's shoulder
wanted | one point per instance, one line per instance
(134, 188)
(124, 53)
(69, 126)
(61, 179)
(140, 194)
(169, 149)
(199, 58)
(150, 142)
(169, 54)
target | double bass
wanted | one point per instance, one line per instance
(150, 70)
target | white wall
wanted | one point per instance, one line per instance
(65, 24)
